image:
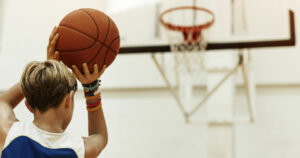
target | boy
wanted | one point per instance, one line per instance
(48, 88)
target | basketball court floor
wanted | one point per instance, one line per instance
(240, 101)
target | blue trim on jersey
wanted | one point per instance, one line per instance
(24, 147)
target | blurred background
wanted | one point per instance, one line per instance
(143, 118)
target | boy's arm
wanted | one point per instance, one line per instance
(12, 97)
(8, 101)
(97, 139)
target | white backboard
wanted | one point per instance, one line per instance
(235, 20)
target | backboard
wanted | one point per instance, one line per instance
(236, 22)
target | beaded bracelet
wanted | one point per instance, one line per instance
(92, 86)
(91, 93)
(94, 93)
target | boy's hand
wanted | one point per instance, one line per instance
(51, 53)
(87, 77)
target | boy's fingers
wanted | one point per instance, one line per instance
(56, 56)
(74, 74)
(102, 70)
(53, 42)
(53, 33)
(95, 70)
(86, 70)
(49, 53)
(77, 73)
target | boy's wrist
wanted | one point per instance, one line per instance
(92, 86)
(93, 103)
(92, 95)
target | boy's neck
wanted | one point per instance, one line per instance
(50, 121)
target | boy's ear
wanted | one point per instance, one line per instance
(28, 106)
(69, 99)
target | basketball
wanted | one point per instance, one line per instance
(87, 36)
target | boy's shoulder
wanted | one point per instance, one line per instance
(29, 139)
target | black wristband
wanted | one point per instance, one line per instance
(92, 86)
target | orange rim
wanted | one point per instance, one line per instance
(182, 28)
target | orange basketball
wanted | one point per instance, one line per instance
(87, 36)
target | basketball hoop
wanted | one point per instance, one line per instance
(191, 33)
(186, 30)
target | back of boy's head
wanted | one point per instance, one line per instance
(45, 84)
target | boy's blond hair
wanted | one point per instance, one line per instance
(45, 84)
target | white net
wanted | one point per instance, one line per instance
(187, 30)
(188, 56)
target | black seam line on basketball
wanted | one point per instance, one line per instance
(110, 47)
(115, 53)
(70, 27)
(97, 35)
(104, 62)
(108, 50)
(103, 42)
(75, 50)
(98, 32)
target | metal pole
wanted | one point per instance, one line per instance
(213, 90)
(172, 90)
(246, 85)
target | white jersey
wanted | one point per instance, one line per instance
(26, 140)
